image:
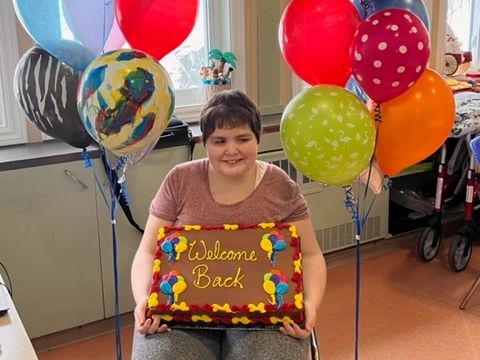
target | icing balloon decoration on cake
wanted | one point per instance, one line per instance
(172, 285)
(275, 284)
(272, 243)
(174, 245)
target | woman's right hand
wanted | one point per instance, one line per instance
(146, 325)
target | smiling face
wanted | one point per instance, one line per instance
(232, 152)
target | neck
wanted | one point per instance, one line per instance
(231, 189)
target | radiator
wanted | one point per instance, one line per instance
(333, 224)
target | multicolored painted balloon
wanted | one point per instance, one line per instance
(172, 284)
(125, 100)
(275, 284)
(328, 134)
(174, 245)
(272, 243)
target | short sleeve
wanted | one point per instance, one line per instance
(287, 195)
(164, 203)
(299, 206)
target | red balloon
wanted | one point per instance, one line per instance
(315, 38)
(156, 26)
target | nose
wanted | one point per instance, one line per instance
(231, 148)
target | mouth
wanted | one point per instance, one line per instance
(232, 161)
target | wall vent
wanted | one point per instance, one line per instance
(342, 236)
(286, 166)
(279, 159)
(327, 208)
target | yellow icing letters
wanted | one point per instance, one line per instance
(203, 280)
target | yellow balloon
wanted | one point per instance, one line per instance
(266, 245)
(179, 287)
(180, 247)
(269, 287)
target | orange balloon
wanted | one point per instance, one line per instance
(414, 124)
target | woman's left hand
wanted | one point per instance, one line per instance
(296, 331)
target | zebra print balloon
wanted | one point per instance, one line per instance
(46, 90)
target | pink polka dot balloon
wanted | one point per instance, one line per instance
(390, 51)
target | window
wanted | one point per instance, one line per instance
(464, 19)
(12, 123)
(218, 25)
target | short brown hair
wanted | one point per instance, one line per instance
(227, 110)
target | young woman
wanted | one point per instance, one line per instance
(229, 186)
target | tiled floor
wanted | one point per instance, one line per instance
(409, 309)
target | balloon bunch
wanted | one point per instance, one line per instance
(272, 243)
(378, 49)
(172, 284)
(275, 284)
(174, 245)
(125, 97)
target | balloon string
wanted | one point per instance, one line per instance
(378, 113)
(104, 26)
(352, 207)
(89, 165)
(118, 340)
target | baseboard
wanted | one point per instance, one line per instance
(87, 331)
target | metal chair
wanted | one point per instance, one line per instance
(314, 353)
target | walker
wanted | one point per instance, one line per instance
(454, 177)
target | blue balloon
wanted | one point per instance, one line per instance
(172, 280)
(281, 288)
(165, 287)
(46, 22)
(280, 245)
(367, 7)
(275, 278)
(90, 21)
(475, 145)
(354, 87)
(167, 247)
(273, 238)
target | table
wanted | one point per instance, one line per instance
(14, 341)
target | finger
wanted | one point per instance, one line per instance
(154, 326)
(302, 333)
(163, 328)
(288, 329)
(143, 328)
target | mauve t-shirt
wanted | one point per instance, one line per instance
(185, 198)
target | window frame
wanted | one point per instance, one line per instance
(222, 11)
(14, 132)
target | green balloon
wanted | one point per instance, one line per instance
(328, 134)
